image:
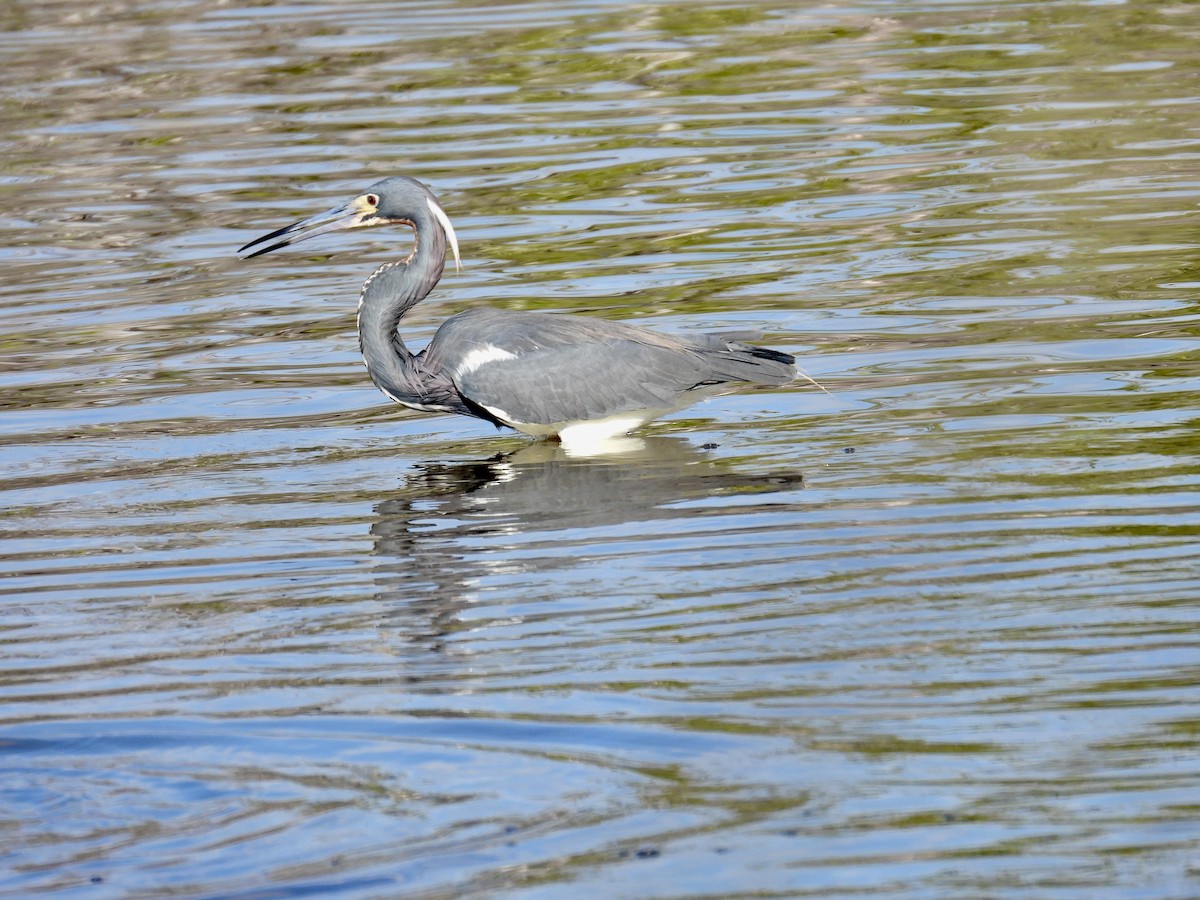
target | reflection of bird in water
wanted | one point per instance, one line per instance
(574, 377)
(453, 524)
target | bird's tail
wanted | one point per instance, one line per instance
(733, 361)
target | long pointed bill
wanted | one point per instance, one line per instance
(336, 219)
(444, 220)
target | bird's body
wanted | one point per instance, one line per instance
(576, 378)
(558, 375)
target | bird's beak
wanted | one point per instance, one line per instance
(358, 213)
(350, 215)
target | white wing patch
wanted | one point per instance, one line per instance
(481, 356)
(501, 415)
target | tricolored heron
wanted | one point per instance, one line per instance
(550, 375)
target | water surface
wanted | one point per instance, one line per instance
(931, 634)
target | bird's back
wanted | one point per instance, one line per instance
(545, 371)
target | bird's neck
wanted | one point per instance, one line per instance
(390, 292)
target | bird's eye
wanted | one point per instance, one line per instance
(372, 200)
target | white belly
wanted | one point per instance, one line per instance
(586, 432)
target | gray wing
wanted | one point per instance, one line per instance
(545, 369)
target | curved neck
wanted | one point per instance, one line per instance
(387, 294)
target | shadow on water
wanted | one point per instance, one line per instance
(454, 523)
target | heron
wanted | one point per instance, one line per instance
(572, 378)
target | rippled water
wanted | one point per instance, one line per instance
(932, 634)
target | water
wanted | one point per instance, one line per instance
(931, 635)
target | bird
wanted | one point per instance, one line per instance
(570, 378)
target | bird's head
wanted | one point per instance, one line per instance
(398, 200)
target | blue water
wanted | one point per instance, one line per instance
(930, 634)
